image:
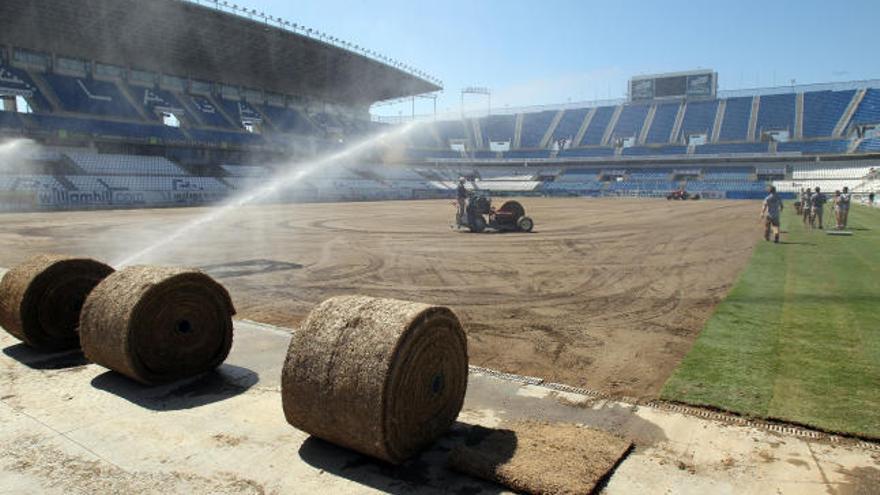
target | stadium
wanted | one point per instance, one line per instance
(199, 134)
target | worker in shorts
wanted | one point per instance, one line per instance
(843, 208)
(771, 213)
(806, 205)
(817, 208)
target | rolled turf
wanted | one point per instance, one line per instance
(157, 324)
(41, 299)
(379, 376)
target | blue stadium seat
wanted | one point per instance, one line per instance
(240, 111)
(95, 127)
(227, 137)
(731, 148)
(869, 109)
(90, 96)
(822, 111)
(527, 154)
(452, 129)
(289, 120)
(587, 152)
(699, 118)
(815, 147)
(870, 146)
(534, 127)
(498, 128)
(597, 126)
(654, 150)
(14, 81)
(154, 100)
(10, 120)
(570, 124)
(631, 120)
(664, 121)
(208, 113)
(735, 125)
(776, 113)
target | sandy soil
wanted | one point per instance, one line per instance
(605, 294)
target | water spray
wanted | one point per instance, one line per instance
(287, 178)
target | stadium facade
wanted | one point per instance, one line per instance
(172, 103)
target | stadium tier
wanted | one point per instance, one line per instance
(76, 178)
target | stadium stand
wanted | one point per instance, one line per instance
(208, 112)
(288, 120)
(14, 81)
(98, 164)
(735, 125)
(245, 171)
(654, 150)
(836, 146)
(587, 152)
(823, 110)
(596, 129)
(241, 111)
(664, 120)
(630, 122)
(90, 96)
(868, 111)
(498, 127)
(570, 124)
(534, 127)
(155, 100)
(699, 118)
(776, 113)
(731, 148)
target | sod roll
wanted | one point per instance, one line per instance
(41, 299)
(379, 376)
(157, 324)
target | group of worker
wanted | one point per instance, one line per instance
(811, 207)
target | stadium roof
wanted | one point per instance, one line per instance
(187, 40)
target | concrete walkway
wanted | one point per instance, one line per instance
(67, 426)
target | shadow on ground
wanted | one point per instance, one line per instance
(425, 473)
(225, 382)
(39, 360)
(248, 267)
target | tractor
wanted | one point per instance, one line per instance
(511, 217)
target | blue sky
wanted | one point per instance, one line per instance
(554, 51)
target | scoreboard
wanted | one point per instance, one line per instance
(680, 85)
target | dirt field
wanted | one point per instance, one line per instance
(605, 294)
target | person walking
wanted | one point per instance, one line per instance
(817, 208)
(843, 207)
(771, 213)
(806, 205)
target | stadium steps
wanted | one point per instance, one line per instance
(517, 132)
(138, 107)
(545, 141)
(753, 118)
(773, 147)
(583, 130)
(847, 116)
(719, 120)
(649, 119)
(611, 125)
(46, 90)
(679, 120)
(799, 116)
